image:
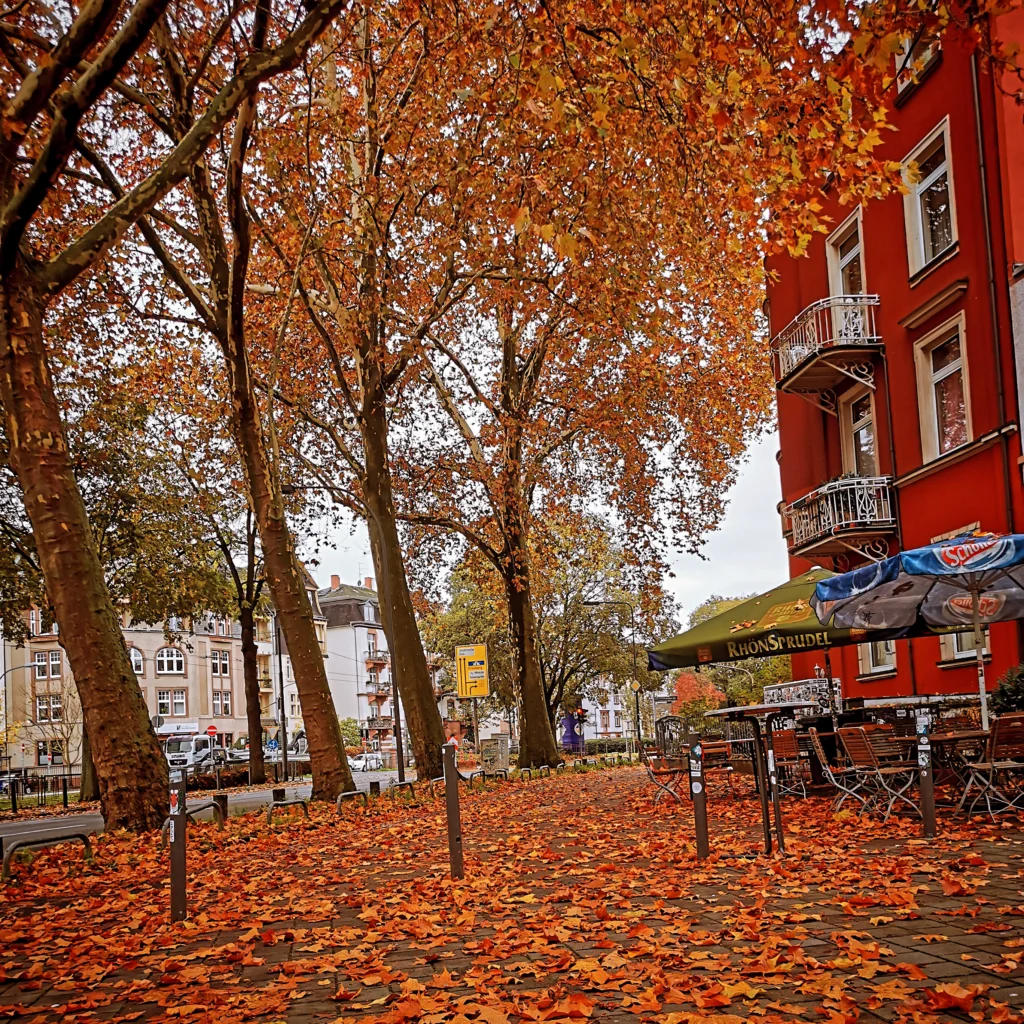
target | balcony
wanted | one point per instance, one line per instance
(383, 722)
(377, 688)
(832, 340)
(376, 656)
(851, 514)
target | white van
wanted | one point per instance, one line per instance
(193, 752)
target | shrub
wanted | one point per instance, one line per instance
(228, 777)
(1009, 695)
(618, 746)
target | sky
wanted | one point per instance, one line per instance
(746, 555)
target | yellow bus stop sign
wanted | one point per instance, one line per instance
(471, 671)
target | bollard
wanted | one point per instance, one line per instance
(276, 779)
(278, 794)
(64, 790)
(216, 772)
(221, 800)
(14, 795)
(699, 796)
(179, 896)
(375, 787)
(451, 797)
(927, 776)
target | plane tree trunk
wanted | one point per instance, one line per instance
(250, 673)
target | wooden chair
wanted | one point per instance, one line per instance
(997, 774)
(847, 780)
(788, 762)
(887, 779)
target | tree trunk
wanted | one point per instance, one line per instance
(130, 767)
(250, 672)
(408, 662)
(88, 789)
(288, 585)
(536, 739)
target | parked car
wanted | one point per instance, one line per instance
(371, 761)
(193, 752)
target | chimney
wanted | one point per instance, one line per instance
(368, 583)
(335, 582)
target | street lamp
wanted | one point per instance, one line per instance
(636, 682)
(7, 710)
(333, 491)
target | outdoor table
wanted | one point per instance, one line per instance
(767, 780)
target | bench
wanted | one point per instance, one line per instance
(295, 801)
(667, 774)
(24, 844)
(190, 811)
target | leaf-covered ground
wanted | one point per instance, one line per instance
(582, 901)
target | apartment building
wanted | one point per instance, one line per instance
(189, 683)
(898, 355)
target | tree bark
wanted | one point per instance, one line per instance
(251, 675)
(88, 789)
(131, 769)
(536, 739)
(408, 661)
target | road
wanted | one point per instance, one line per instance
(239, 803)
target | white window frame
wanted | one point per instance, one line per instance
(855, 222)
(175, 694)
(911, 73)
(952, 651)
(846, 425)
(216, 702)
(34, 621)
(912, 201)
(56, 707)
(295, 708)
(40, 665)
(138, 661)
(867, 663)
(225, 703)
(927, 413)
(162, 659)
(42, 707)
(55, 664)
(163, 706)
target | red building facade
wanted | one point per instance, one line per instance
(898, 349)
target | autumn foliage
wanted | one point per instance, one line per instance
(692, 690)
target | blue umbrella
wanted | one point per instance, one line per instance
(971, 580)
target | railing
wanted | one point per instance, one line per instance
(849, 503)
(827, 323)
(378, 687)
(374, 654)
(379, 723)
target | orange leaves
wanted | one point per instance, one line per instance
(953, 885)
(950, 995)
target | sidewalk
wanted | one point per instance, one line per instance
(581, 901)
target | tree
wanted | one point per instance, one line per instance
(741, 682)
(350, 732)
(59, 75)
(695, 694)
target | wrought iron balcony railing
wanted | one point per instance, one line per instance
(838, 323)
(376, 655)
(383, 722)
(849, 505)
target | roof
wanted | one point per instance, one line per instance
(329, 595)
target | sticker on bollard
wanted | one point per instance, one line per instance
(699, 797)
(926, 775)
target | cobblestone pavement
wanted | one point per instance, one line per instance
(582, 900)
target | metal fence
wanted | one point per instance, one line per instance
(844, 504)
(839, 320)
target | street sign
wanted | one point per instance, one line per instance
(211, 731)
(634, 686)
(471, 671)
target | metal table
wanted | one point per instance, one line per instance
(765, 772)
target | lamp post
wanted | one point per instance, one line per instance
(7, 712)
(636, 682)
(396, 713)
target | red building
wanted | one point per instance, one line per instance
(898, 349)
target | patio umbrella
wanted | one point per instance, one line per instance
(971, 580)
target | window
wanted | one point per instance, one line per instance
(34, 622)
(294, 709)
(857, 419)
(55, 664)
(222, 627)
(604, 721)
(942, 390)
(879, 656)
(617, 697)
(618, 719)
(138, 662)
(42, 708)
(178, 706)
(39, 664)
(960, 646)
(170, 662)
(56, 707)
(929, 208)
(222, 702)
(845, 260)
(163, 702)
(49, 752)
(216, 702)
(220, 664)
(371, 678)
(910, 65)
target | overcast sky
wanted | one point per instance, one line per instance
(747, 555)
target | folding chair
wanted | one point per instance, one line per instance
(847, 780)
(887, 777)
(996, 774)
(788, 762)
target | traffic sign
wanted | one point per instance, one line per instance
(634, 686)
(211, 731)
(471, 675)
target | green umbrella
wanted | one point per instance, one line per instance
(780, 621)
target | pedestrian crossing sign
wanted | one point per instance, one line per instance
(471, 671)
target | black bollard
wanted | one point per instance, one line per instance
(64, 790)
(375, 787)
(451, 799)
(699, 796)
(927, 776)
(176, 828)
